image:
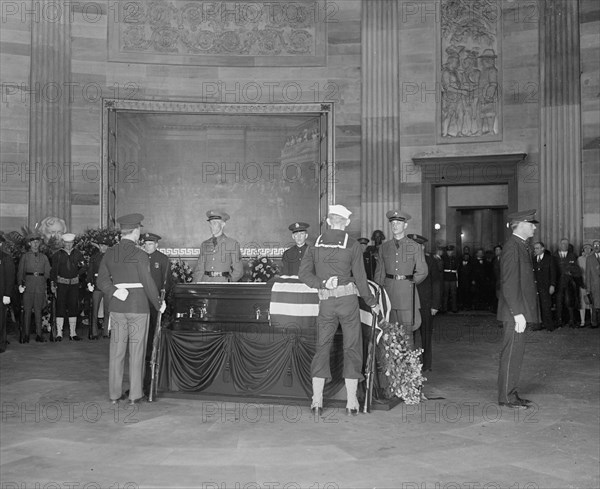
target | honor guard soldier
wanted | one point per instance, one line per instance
(160, 269)
(517, 305)
(400, 266)
(7, 284)
(32, 276)
(450, 261)
(126, 280)
(220, 257)
(97, 295)
(334, 266)
(67, 264)
(292, 256)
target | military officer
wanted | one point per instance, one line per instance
(220, 257)
(517, 305)
(160, 269)
(125, 279)
(401, 265)
(67, 265)
(32, 275)
(292, 256)
(450, 261)
(97, 295)
(334, 266)
(7, 284)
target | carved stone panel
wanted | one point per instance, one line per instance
(469, 107)
(227, 32)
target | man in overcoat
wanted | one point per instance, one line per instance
(592, 281)
(517, 305)
(545, 277)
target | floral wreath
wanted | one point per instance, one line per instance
(262, 269)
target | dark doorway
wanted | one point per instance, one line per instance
(480, 228)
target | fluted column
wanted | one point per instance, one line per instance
(380, 158)
(50, 117)
(560, 122)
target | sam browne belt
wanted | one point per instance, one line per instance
(399, 277)
(217, 274)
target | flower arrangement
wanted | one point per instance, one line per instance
(181, 272)
(87, 241)
(400, 364)
(262, 269)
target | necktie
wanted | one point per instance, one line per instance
(214, 241)
(397, 243)
(539, 258)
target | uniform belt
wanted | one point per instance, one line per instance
(399, 277)
(135, 285)
(448, 271)
(339, 291)
(35, 274)
(217, 274)
(67, 281)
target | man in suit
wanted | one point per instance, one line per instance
(464, 273)
(7, 285)
(517, 306)
(97, 295)
(400, 267)
(545, 279)
(430, 298)
(220, 257)
(160, 269)
(592, 281)
(567, 295)
(334, 266)
(450, 262)
(124, 277)
(290, 261)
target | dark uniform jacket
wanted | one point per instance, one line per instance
(7, 275)
(518, 292)
(224, 257)
(125, 263)
(430, 291)
(450, 267)
(67, 265)
(291, 259)
(34, 271)
(406, 259)
(92, 273)
(335, 253)
(160, 268)
(545, 271)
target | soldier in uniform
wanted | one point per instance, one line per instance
(32, 275)
(7, 284)
(67, 265)
(292, 256)
(97, 295)
(430, 298)
(220, 257)
(125, 279)
(517, 305)
(450, 262)
(160, 269)
(400, 267)
(334, 266)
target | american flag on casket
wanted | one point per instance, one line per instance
(295, 304)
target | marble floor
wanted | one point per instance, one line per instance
(58, 429)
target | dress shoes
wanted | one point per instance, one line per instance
(525, 402)
(316, 410)
(116, 401)
(74, 338)
(137, 401)
(351, 412)
(513, 405)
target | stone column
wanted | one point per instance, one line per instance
(50, 115)
(560, 123)
(380, 155)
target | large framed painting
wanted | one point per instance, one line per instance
(469, 67)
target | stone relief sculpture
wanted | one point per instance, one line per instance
(469, 107)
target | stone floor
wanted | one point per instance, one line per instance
(59, 430)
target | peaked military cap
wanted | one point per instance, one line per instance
(212, 215)
(149, 237)
(339, 210)
(363, 240)
(130, 221)
(418, 238)
(68, 237)
(397, 216)
(298, 226)
(523, 216)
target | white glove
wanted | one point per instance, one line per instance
(121, 294)
(520, 323)
(90, 287)
(21, 289)
(375, 309)
(163, 307)
(332, 283)
(6, 300)
(434, 312)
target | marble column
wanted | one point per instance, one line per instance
(561, 190)
(380, 157)
(50, 116)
